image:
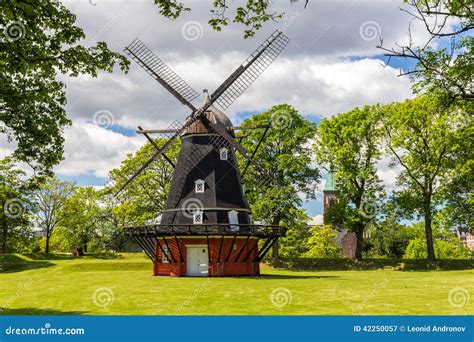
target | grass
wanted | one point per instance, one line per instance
(59, 285)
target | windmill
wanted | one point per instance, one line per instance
(206, 227)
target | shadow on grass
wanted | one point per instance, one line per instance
(13, 263)
(342, 264)
(60, 256)
(292, 276)
(37, 312)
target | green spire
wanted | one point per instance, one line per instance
(330, 182)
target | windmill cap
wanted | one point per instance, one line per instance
(214, 115)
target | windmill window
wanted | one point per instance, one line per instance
(224, 153)
(233, 220)
(199, 186)
(197, 217)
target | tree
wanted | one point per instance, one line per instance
(50, 199)
(350, 143)
(390, 238)
(142, 200)
(13, 201)
(295, 243)
(79, 217)
(420, 134)
(285, 155)
(40, 41)
(445, 62)
(458, 192)
(145, 196)
(322, 243)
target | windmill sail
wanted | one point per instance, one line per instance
(155, 67)
(250, 70)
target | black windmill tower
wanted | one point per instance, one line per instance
(206, 205)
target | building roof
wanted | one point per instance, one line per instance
(330, 184)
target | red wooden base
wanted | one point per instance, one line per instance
(236, 256)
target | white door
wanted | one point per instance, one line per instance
(197, 261)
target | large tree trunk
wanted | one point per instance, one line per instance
(429, 236)
(359, 243)
(48, 236)
(276, 222)
(3, 247)
(428, 230)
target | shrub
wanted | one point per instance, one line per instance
(391, 240)
(444, 249)
(322, 243)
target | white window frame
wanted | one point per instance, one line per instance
(165, 259)
(199, 186)
(233, 220)
(198, 217)
(224, 153)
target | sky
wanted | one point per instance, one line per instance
(330, 66)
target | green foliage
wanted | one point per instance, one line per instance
(350, 143)
(39, 43)
(79, 218)
(391, 239)
(423, 137)
(145, 196)
(322, 243)
(14, 206)
(49, 199)
(444, 249)
(295, 243)
(285, 155)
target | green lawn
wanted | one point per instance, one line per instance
(125, 286)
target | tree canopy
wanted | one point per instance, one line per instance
(350, 144)
(422, 136)
(285, 155)
(445, 62)
(40, 42)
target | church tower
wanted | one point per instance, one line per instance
(329, 191)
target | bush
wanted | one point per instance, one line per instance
(322, 243)
(444, 249)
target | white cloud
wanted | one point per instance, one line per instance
(90, 149)
(388, 174)
(316, 220)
